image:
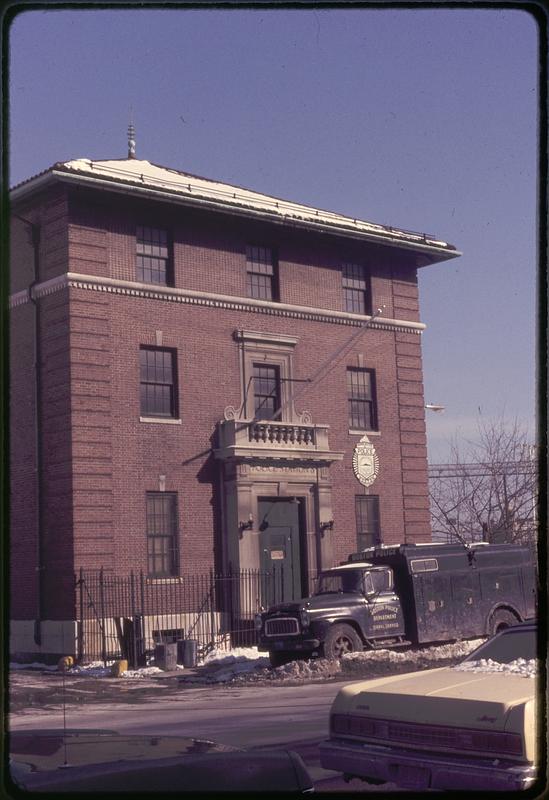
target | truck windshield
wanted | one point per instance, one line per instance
(344, 581)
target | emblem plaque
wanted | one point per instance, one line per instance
(365, 462)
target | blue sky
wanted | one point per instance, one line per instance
(422, 119)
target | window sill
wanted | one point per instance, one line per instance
(354, 432)
(161, 420)
(174, 579)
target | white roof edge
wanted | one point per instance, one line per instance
(143, 177)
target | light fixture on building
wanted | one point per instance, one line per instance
(435, 407)
(246, 526)
(327, 525)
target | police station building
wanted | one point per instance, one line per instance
(204, 378)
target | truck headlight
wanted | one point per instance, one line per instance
(258, 622)
(304, 618)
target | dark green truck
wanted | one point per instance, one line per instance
(402, 595)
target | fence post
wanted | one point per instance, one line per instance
(80, 653)
(132, 610)
(142, 642)
(102, 601)
(212, 613)
(231, 603)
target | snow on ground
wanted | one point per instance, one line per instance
(527, 668)
(251, 668)
(233, 663)
(98, 670)
(237, 654)
(243, 665)
(407, 660)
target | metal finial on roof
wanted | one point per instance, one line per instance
(131, 141)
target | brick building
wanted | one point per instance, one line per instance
(204, 377)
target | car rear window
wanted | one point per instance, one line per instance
(507, 647)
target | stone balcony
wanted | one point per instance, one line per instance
(249, 439)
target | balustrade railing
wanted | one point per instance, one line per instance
(282, 433)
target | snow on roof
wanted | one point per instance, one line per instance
(140, 175)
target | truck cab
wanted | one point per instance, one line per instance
(374, 605)
(353, 606)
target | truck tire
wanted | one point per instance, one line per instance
(280, 657)
(500, 620)
(339, 640)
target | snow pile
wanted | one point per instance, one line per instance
(95, 669)
(295, 672)
(236, 655)
(233, 671)
(526, 668)
(319, 668)
(245, 666)
(241, 661)
(142, 672)
(375, 662)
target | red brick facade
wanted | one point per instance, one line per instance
(99, 458)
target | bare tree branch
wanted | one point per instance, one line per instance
(488, 491)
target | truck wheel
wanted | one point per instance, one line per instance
(501, 620)
(280, 657)
(341, 639)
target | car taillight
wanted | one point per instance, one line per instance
(497, 742)
(354, 725)
(340, 723)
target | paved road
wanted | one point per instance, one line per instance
(247, 717)
(295, 717)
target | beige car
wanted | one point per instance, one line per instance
(471, 726)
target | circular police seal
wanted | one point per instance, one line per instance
(365, 462)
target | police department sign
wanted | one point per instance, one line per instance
(365, 462)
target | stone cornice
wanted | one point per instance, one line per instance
(271, 455)
(208, 299)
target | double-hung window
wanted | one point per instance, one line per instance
(356, 289)
(368, 529)
(266, 383)
(152, 256)
(261, 273)
(158, 382)
(361, 394)
(161, 534)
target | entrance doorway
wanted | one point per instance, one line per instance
(281, 550)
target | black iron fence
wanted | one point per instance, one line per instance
(127, 616)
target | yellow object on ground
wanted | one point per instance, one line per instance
(64, 663)
(118, 668)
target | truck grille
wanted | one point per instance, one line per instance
(282, 626)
